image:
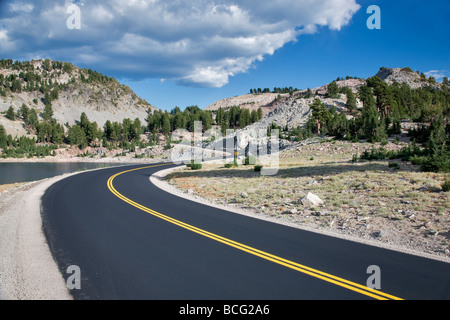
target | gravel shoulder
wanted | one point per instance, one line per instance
(27, 268)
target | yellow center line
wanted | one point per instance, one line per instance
(281, 261)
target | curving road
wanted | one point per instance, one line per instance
(131, 240)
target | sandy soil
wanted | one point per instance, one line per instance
(27, 269)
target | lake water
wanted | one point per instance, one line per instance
(25, 172)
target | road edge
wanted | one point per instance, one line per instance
(157, 179)
(29, 271)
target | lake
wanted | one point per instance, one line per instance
(25, 172)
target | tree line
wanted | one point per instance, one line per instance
(275, 90)
(125, 134)
(384, 108)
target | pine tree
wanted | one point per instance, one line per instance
(166, 124)
(333, 90)
(259, 113)
(10, 114)
(351, 101)
(370, 121)
(136, 129)
(445, 82)
(220, 115)
(32, 118)
(319, 115)
(253, 116)
(24, 112)
(48, 112)
(107, 129)
(365, 94)
(244, 118)
(3, 138)
(16, 86)
(76, 136)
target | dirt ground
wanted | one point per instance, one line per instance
(371, 201)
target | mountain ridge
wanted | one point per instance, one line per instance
(72, 91)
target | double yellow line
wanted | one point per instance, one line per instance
(287, 263)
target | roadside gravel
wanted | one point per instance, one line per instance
(27, 268)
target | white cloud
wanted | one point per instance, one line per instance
(198, 42)
(21, 7)
(437, 74)
(3, 35)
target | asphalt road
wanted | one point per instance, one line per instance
(132, 240)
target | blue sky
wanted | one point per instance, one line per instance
(181, 53)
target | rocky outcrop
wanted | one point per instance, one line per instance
(266, 101)
(403, 75)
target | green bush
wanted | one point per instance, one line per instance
(418, 160)
(394, 165)
(195, 166)
(436, 163)
(374, 154)
(446, 185)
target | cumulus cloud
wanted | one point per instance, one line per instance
(197, 42)
(437, 74)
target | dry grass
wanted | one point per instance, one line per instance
(5, 187)
(366, 199)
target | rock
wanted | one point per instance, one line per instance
(311, 200)
(293, 211)
(381, 234)
(320, 213)
(244, 195)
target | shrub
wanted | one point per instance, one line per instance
(379, 154)
(195, 166)
(418, 160)
(394, 165)
(446, 185)
(436, 163)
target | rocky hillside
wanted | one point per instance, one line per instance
(406, 75)
(72, 91)
(267, 101)
(293, 110)
(270, 102)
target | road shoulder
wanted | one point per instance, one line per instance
(158, 180)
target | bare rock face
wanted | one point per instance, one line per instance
(402, 75)
(266, 101)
